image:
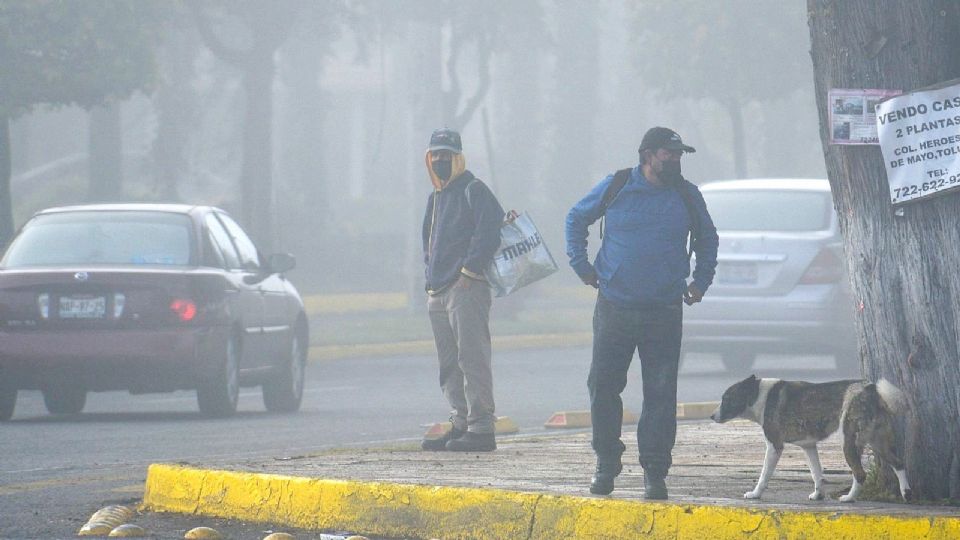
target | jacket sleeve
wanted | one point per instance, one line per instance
(706, 244)
(487, 218)
(428, 215)
(579, 218)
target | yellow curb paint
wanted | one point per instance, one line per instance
(353, 303)
(696, 410)
(319, 353)
(581, 419)
(421, 511)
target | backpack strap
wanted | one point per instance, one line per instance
(620, 179)
(687, 198)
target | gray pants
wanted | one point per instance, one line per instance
(460, 316)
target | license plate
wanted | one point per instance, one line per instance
(737, 274)
(82, 307)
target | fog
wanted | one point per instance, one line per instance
(331, 104)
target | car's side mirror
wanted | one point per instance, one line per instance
(279, 263)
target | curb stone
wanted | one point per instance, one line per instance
(427, 511)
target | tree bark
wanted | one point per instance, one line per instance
(902, 268)
(734, 108)
(6, 203)
(256, 173)
(105, 161)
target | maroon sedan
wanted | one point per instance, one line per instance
(147, 298)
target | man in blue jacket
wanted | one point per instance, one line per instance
(461, 234)
(641, 272)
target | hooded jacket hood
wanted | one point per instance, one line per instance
(458, 165)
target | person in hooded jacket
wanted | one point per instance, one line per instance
(641, 272)
(461, 234)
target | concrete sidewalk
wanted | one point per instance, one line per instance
(536, 486)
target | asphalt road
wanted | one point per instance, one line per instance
(56, 471)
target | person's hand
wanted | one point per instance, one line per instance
(693, 294)
(591, 279)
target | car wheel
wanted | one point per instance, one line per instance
(284, 391)
(738, 363)
(8, 400)
(218, 395)
(64, 399)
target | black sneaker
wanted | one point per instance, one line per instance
(473, 442)
(440, 444)
(654, 488)
(602, 482)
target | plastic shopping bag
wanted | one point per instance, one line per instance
(522, 258)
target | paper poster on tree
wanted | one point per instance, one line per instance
(920, 142)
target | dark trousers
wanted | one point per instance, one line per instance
(654, 332)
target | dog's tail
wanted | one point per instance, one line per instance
(892, 396)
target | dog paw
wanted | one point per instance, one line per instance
(752, 495)
(816, 496)
(848, 498)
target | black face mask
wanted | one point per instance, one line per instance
(670, 173)
(442, 168)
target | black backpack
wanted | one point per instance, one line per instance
(620, 179)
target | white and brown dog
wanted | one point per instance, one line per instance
(804, 414)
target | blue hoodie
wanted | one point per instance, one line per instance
(643, 256)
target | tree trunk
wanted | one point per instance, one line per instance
(902, 268)
(734, 108)
(105, 154)
(6, 203)
(256, 179)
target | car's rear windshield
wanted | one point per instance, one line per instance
(769, 210)
(102, 238)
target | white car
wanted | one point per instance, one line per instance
(781, 286)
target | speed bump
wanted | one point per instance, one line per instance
(203, 533)
(128, 530)
(503, 426)
(105, 520)
(581, 419)
(696, 411)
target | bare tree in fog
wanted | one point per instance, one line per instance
(730, 52)
(175, 103)
(247, 34)
(65, 53)
(903, 267)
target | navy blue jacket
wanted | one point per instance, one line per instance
(458, 235)
(643, 257)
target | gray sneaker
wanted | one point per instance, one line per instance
(473, 442)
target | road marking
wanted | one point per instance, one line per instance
(13, 489)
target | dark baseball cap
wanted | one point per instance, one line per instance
(661, 137)
(445, 139)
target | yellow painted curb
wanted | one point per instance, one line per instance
(696, 410)
(333, 352)
(581, 419)
(317, 304)
(400, 510)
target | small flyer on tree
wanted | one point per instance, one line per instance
(853, 115)
(920, 141)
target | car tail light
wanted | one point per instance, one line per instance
(43, 304)
(825, 268)
(186, 310)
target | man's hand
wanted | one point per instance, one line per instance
(693, 294)
(465, 282)
(591, 279)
